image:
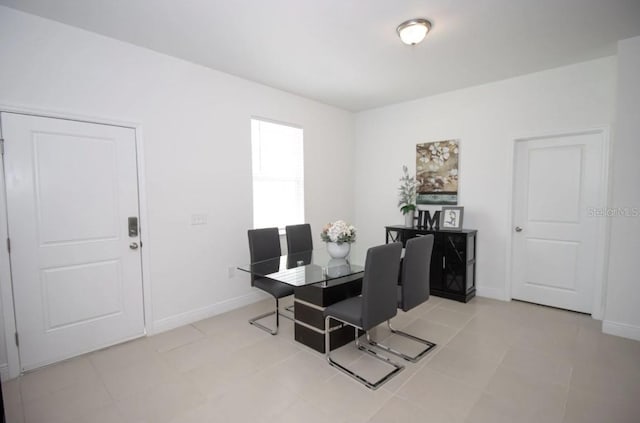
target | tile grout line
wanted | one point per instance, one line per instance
(436, 351)
(566, 401)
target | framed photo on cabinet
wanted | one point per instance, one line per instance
(451, 217)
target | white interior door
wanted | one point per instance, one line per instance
(77, 281)
(557, 181)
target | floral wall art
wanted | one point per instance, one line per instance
(437, 172)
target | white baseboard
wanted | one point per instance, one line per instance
(495, 293)
(621, 329)
(186, 318)
(191, 316)
(4, 372)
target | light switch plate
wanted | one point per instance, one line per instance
(198, 219)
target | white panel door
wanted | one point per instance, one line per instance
(557, 180)
(76, 272)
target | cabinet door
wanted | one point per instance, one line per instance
(454, 262)
(471, 262)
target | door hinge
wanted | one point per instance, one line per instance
(9, 245)
(17, 340)
(1, 146)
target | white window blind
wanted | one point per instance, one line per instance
(278, 174)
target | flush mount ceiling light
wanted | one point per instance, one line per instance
(413, 31)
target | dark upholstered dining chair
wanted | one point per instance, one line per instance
(299, 242)
(413, 289)
(299, 238)
(376, 304)
(264, 244)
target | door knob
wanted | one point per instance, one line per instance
(518, 229)
(133, 245)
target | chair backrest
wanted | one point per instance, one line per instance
(299, 238)
(414, 282)
(264, 244)
(379, 284)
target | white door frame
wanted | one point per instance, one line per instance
(602, 260)
(6, 289)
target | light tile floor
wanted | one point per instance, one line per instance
(495, 362)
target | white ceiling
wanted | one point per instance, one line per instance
(346, 52)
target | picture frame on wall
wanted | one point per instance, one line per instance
(437, 172)
(451, 218)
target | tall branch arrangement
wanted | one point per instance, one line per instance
(407, 192)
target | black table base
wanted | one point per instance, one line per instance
(310, 302)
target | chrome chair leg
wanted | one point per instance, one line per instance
(397, 368)
(255, 322)
(290, 309)
(430, 345)
(287, 316)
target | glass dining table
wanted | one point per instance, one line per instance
(318, 282)
(305, 268)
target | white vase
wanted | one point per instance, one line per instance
(337, 267)
(336, 250)
(409, 219)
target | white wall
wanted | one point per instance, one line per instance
(622, 316)
(485, 119)
(196, 131)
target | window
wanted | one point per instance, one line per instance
(278, 174)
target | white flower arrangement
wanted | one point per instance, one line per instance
(339, 232)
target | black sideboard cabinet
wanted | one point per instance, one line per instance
(453, 262)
